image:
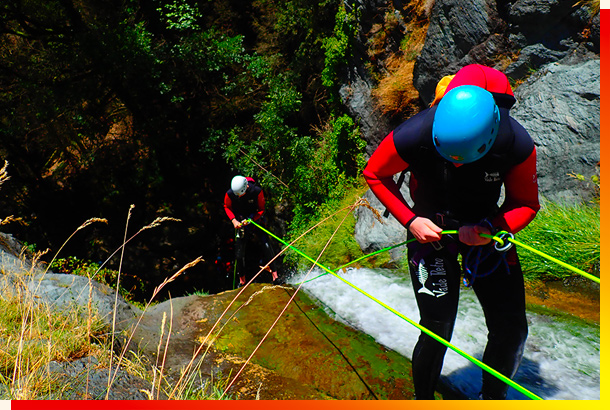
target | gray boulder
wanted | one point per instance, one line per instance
(58, 291)
(71, 292)
(560, 107)
(356, 95)
(64, 292)
(372, 235)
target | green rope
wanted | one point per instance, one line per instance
(537, 252)
(557, 261)
(498, 238)
(362, 257)
(417, 325)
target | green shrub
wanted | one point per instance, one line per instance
(343, 248)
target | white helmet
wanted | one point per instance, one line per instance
(239, 185)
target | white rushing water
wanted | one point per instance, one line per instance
(561, 360)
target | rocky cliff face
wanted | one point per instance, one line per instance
(560, 107)
(516, 37)
(551, 45)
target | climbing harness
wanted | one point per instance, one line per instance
(478, 254)
(475, 256)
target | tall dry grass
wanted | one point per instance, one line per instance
(33, 335)
(395, 92)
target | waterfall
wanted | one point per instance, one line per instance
(561, 360)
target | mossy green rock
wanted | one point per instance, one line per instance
(304, 345)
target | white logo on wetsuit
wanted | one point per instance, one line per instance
(438, 268)
(439, 288)
(492, 176)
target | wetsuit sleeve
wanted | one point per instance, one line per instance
(228, 204)
(261, 207)
(379, 172)
(521, 203)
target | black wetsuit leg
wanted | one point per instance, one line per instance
(502, 297)
(240, 251)
(436, 280)
(268, 249)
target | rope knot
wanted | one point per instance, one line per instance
(503, 242)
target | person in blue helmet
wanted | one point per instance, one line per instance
(460, 152)
(245, 201)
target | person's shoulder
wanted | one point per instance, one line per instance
(415, 131)
(415, 125)
(254, 188)
(521, 134)
(524, 144)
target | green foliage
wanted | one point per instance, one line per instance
(331, 166)
(219, 51)
(104, 106)
(569, 233)
(338, 46)
(88, 269)
(292, 31)
(317, 169)
(180, 15)
(343, 248)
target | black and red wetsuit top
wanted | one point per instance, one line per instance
(469, 192)
(250, 205)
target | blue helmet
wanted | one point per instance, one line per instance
(465, 124)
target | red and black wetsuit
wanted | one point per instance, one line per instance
(452, 195)
(469, 192)
(251, 205)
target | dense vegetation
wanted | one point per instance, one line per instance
(105, 104)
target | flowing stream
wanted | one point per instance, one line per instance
(561, 360)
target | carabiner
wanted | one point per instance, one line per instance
(507, 244)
